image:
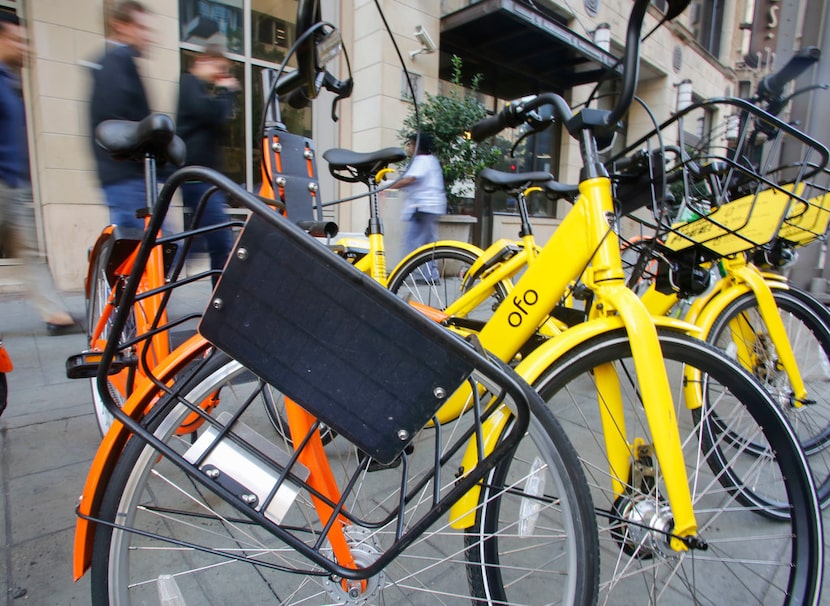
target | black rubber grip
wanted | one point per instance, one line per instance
(492, 125)
(773, 85)
(320, 229)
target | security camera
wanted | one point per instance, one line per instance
(427, 45)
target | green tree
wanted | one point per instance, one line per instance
(447, 118)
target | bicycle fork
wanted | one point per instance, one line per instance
(624, 456)
(776, 332)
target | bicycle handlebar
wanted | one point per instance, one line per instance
(515, 113)
(772, 86)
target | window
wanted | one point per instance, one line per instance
(273, 23)
(697, 129)
(201, 21)
(707, 23)
(252, 52)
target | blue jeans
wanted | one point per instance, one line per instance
(18, 228)
(422, 229)
(124, 199)
(218, 242)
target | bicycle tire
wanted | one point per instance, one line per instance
(4, 392)
(750, 559)
(494, 532)
(809, 336)
(414, 279)
(100, 288)
(149, 493)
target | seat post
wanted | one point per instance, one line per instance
(151, 192)
(375, 223)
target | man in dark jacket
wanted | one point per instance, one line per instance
(206, 97)
(118, 94)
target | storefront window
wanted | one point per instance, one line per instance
(263, 47)
(203, 21)
(272, 22)
(534, 153)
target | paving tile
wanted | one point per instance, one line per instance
(44, 503)
(70, 441)
(42, 568)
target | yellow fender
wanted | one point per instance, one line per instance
(751, 280)
(706, 314)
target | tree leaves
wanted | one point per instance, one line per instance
(447, 118)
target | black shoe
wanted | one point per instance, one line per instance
(57, 330)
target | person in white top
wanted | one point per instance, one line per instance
(426, 198)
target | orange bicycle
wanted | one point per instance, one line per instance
(236, 512)
(5, 366)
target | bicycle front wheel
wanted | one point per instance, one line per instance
(744, 557)
(741, 332)
(434, 277)
(173, 531)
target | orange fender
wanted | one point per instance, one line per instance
(5, 361)
(113, 443)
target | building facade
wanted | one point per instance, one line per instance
(518, 46)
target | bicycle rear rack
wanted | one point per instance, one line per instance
(753, 181)
(352, 353)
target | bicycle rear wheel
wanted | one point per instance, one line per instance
(100, 290)
(4, 392)
(748, 557)
(741, 332)
(154, 503)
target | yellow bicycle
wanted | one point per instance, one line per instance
(675, 451)
(236, 512)
(740, 311)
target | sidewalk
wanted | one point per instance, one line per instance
(48, 438)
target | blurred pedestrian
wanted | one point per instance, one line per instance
(426, 197)
(17, 207)
(118, 94)
(206, 103)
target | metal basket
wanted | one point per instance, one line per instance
(291, 312)
(743, 185)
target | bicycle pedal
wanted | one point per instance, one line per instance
(85, 365)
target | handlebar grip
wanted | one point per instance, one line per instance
(298, 99)
(773, 85)
(320, 229)
(675, 7)
(487, 127)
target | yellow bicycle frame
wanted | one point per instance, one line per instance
(741, 277)
(586, 237)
